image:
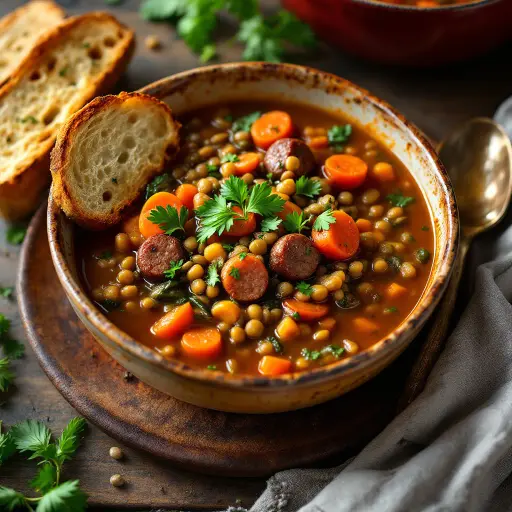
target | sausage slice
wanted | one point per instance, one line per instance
(156, 254)
(294, 257)
(245, 279)
(277, 154)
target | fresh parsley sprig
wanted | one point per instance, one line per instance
(169, 219)
(244, 123)
(324, 220)
(295, 222)
(270, 224)
(217, 215)
(398, 199)
(173, 268)
(305, 186)
(304, 288)
(338, 135)
(35, 438)
(212, 274)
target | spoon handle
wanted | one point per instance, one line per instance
(436, 336)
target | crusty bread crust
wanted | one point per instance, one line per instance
(61, 161)
(21, 190)
(17, 29)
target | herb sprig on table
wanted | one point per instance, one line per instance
(11, 349)
(35, 438)
(265, 37)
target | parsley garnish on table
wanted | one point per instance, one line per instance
(7, 292)
(16, 234)
(217, 215)
(265, 37)
(168, 219)
(11, 349)
(305, 186)
(35, 438)
(398, 199)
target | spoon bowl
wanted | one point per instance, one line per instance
(478, 158)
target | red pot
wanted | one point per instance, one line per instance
(408, 35)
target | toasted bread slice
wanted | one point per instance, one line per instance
(20, 30)
(77, 60)
(106, 154)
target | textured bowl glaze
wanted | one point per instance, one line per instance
(249, 394)
(408, 35)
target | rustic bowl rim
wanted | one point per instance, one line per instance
(414, 8)
(420, 313)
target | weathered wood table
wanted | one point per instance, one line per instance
(436, 100)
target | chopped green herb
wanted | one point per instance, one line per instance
(161, 183)
(211, 367)
(234, 272)
(86, 45)
(242, 255)
(305, 186)
(335, 350)
(395, 262)
(114, 180)
(16, 234)
(324, 220)
(229, 157)
(270, 224)
(278, 347)
(212, 274)
(311, 355)
(169, 219)
(390, 310)
(105, 255)
(270, 177)
(30, 119)
(173, 268)
(228, 247)
(63, 71)
(212, 168)
(338, 135)
(422, 255)
(6, 292)
(109, 304)
(398, 199)
(304, 288)
(243, 124)
(425, 228)
(295, 222)
(296, 315)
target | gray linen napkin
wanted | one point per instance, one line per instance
(451, 449)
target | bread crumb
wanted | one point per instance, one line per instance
(152, 42)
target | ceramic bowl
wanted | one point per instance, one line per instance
(255, 394)
(412, 36)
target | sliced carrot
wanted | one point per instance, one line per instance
(364, 325)
(185, 193)
(319, 142)
(202, 343)
(306, 311)
(341, 240)
(384, 172)
(174, 322)
(364, 225)
(288, 208)
(272, 365)
(345, 171)
(164, 199)
(395, 290)
(242, 227)
(247, 162)
(270, 127)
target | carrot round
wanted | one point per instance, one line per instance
(306, 311)
(185, 193)
(247, 162)
(202, 343)
(174, 322)
(272, 365)
(341, 240)
(242, 227)
(345, 171)
(164, 199)
(288, 208)
(270, 127)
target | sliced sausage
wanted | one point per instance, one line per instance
(277, 154)
(156, 254)
(294, 257)
(245, 279)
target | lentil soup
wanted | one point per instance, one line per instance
(303, 241)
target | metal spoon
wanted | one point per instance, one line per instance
(478, 158)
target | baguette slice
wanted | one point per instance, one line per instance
(20, 30)
(107, 153)
(77, 60)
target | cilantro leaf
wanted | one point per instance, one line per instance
(243, 124)
(6, 291)
(7, 446)
(69, 440)
(6, 376)
(173, 268)
(215, 216)
(234, 272)
(398, 199)
(32, 436)
(311, 355)
(16, 234)
(304, 288)
(160, 183)
(65, 497)
(295, 222)
(45, 478)
(305, 186)
(11, 499)
(324, 220)
(229, 157)
(168, 219)
(339, 134)
(212, 274)
(263, 202)
(270, 224)
(13, 349)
